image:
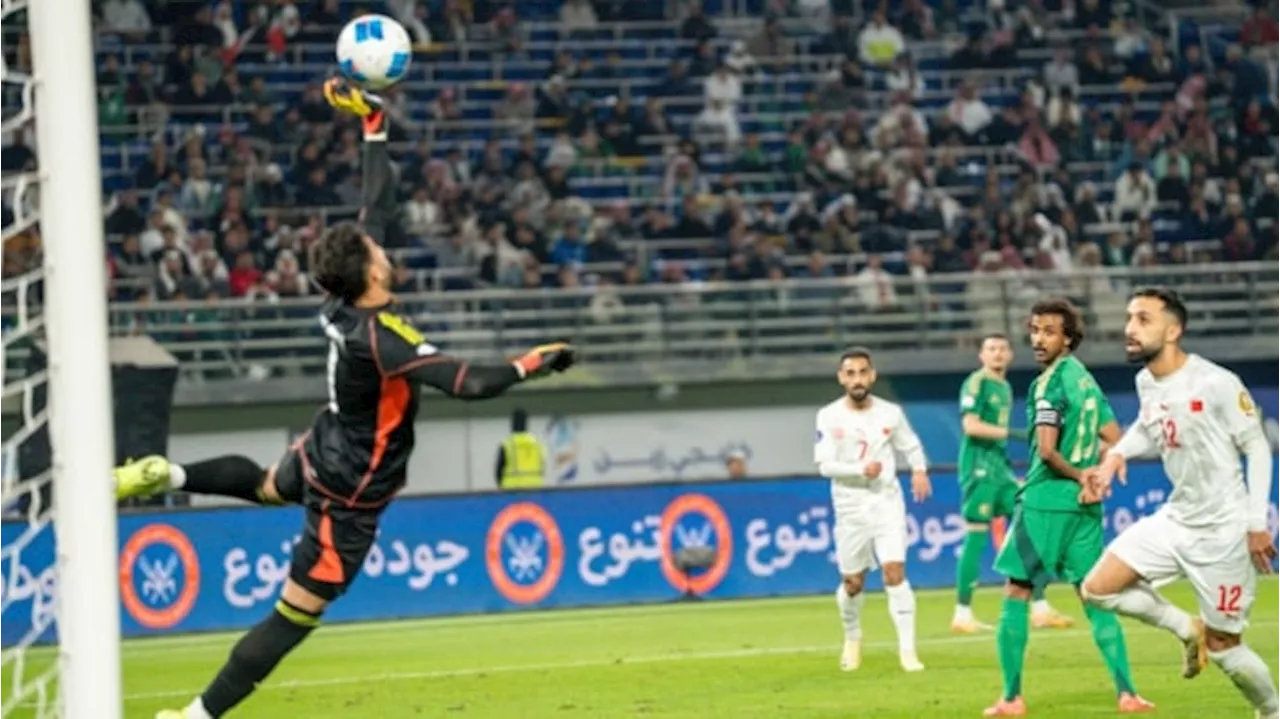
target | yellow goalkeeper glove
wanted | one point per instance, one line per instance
(344, 96)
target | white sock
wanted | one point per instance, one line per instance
(1250, 675)
(902, 609)
(177, 475)
(963, 613)
(1144, 603)
(850, 613)
(1041, 606)
(196, 710)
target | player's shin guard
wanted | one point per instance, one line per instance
(255, 655)
(1143, 603)
(1011, 644)
(227, 476)
(1109, 638)
(1250, 675)
(902, 609)
(969, 566)
(850, 612)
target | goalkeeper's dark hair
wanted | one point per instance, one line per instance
(1072, 320)
(857, 353)
(341, 261)
(1171, 300)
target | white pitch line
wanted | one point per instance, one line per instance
(593, 663)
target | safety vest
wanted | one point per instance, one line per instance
(523, 466)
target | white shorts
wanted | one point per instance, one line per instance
(878, 532)
(1215, 561)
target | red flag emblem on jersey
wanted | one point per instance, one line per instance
(887, 431)
(1197, 405)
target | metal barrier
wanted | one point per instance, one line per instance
(652, 326)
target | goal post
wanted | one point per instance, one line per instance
(83, 514)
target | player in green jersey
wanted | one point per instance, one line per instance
(1057, 526)
(988, 488)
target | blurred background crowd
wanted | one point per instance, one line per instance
(587, 143)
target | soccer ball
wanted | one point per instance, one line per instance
(374, 51)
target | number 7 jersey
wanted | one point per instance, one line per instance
(1065, 395)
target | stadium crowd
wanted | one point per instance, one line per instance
(1118, 150)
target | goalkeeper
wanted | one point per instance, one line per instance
(352, 462)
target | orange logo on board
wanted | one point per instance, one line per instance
(159, 576)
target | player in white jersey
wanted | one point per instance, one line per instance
(857, 440)
(1213, 529)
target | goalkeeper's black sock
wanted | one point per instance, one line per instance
(229, 476)
(255, 655)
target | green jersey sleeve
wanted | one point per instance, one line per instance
(1050, 404)
(973, 395)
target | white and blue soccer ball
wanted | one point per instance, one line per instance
(374, 51)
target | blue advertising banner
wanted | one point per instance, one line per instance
(222, 569)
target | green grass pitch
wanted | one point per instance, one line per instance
(753, 658)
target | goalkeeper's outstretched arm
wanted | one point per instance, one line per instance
(378, 196)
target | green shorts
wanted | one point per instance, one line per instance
(982, 501)
(1041, 545)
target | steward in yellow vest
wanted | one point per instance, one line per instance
(521, 459)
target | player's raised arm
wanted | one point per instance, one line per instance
(826, 456)
(401, 351)
(378, 191)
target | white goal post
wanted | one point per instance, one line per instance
(73, 308)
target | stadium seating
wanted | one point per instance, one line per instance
(630, 61)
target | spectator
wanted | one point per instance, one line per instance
(880, 43)
(1135, 194)
(577, 16)
(718, 120)
(769, 46)
(127, 17)
(1260, 28)
(875, 286)
(968, 111)
(1094, 70)
(904, 78)
(517, 109)
(1131, 41)
(696, 26)
(740, 61)
(1037, 148)
(723, 85)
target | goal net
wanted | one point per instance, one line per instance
(59, 609)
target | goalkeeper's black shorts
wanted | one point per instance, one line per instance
(335, 539)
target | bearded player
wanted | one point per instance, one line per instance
(352, 462)
(1057, 528)
(1212, 530)
(988, 488)
(858, 437)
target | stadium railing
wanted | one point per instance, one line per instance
(671, 323)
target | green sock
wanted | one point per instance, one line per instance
(1109, 637)
(975, 542)
(1011, 644)
(1037, 592)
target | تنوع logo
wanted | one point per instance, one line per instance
(676, 532)
(524, 553)
(159, 576)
